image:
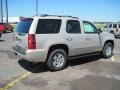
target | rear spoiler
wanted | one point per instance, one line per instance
(25, 19)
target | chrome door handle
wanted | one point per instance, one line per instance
(87, 38)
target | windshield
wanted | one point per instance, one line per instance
(24, 26)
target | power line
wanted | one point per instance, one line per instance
(6, 4)
(36, 7)
(1, 11)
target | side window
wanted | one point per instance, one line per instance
(73, 26)
(89, 28)
(110, 26)
(48, 26)
(114, 25)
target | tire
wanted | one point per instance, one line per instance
(11, 30)
(107, 50)
(4, 31)
(56, 60)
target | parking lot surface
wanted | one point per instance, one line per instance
(90, 73)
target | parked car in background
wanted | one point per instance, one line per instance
(6, 27)
(55, 39)
(113, 28)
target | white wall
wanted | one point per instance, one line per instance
(11, 19)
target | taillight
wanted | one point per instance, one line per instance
(31, 41)
(116, 29)
(1, 28)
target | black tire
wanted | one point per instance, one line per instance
(105, 53)
(51, 61)
(11, 30)
(112, 32)
(4, 31)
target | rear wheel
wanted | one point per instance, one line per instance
(107, 50)
(57, 60)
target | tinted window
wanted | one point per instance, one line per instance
(114, 25)
(73, 26)
(110, 26)
(89, 28)
(48, 26)
(119, 25)
(24, 26)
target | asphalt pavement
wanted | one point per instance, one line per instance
(90, 73)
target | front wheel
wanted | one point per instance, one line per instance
(57, 60)
(107, 50)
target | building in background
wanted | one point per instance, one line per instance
(12, 20)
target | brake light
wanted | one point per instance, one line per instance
(31, 41)
(1, 28)
(116, 29)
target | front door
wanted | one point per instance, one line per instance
(92, 37)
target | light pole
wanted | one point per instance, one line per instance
(6, 4)
(1, 11)
(36, 7)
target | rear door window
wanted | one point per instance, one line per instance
(73, 26)
(48, 26)
(24, 26)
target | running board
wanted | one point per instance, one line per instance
(83, 55)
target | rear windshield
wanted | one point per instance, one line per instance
(119, 25)
(24, 26)
(48, 26)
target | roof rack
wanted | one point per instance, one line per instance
(45, 15)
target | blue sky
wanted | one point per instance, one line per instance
(93, 10)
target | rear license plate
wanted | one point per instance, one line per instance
(18, 41)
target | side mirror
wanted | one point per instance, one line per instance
(99, 31)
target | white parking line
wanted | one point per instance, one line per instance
(113, 58)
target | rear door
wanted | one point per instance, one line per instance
(74, 38)
(21, 33)
(92, 37)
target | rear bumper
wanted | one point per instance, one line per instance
(117, 34)
(38, 55)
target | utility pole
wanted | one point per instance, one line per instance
(36, 7)
(1, 11)
(6, 4)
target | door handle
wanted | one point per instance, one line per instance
(69, 38)
(87, 38)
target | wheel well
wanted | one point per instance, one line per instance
(58, 46)
(110, 41)
(111, 31)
